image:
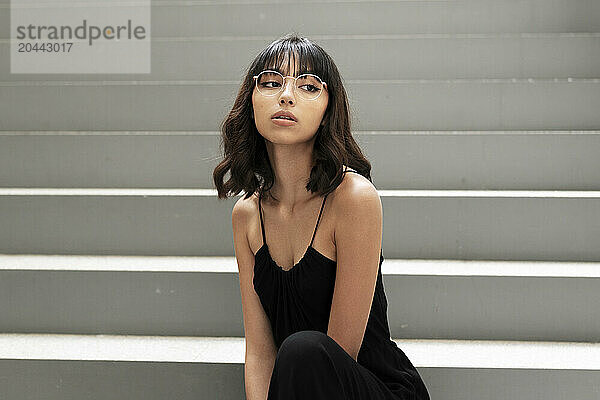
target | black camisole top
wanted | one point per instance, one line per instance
(300, 299)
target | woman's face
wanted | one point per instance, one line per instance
(308, 113)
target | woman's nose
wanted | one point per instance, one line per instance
(287, 93)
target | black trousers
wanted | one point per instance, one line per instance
(312, 366)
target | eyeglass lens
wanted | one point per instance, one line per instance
(307, 86)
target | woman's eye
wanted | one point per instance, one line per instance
(264, 84)
(311, 88)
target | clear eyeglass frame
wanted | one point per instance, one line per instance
(283, 85)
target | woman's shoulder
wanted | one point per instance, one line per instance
(245, 218)
(354, 184)
(246, 205)
(244, 210)
(355, 191)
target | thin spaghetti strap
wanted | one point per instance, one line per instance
(318, 219)
(262, 224)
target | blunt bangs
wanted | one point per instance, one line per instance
(282, 56)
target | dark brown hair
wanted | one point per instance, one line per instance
(244, 151)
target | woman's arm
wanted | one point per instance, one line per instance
(358, 234)
(257, 375)
(260, 345)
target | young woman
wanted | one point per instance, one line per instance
(314, 306)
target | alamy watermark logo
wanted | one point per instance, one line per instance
(80, 36)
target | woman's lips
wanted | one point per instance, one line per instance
(283, 122)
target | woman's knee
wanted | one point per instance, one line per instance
(302, 346)
(304, 366)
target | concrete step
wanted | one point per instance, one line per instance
(199, 296)
(470, 104)
(414, 56)
(140, 367)
(509, 104)
(463, 160)
(241, 18)
(431, 224)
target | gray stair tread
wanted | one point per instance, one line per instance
(228, 264)
(520, 160)
(426, 353)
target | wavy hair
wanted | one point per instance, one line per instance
(244, 151)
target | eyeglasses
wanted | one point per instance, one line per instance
(306, 86)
